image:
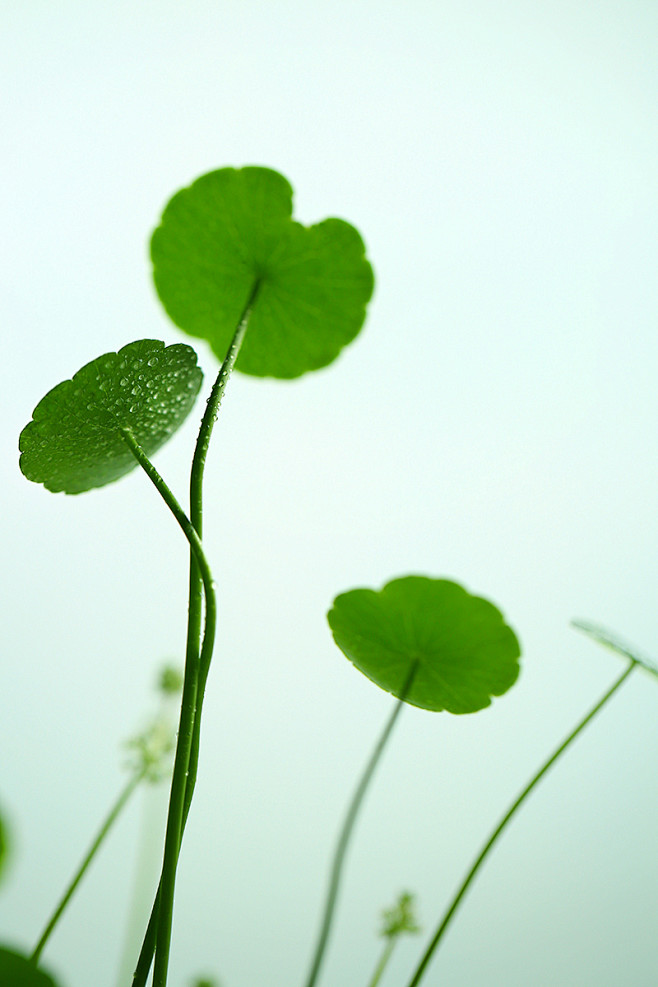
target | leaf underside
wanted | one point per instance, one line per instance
(464, 651)
(611, 641)
(16, 970)
(234, 227)
(74, 441)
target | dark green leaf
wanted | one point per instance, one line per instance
(74, 441)
(17, 971)
(233, 227)
(611, 641)
(463, 649)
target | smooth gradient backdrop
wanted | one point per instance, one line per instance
(494, 423)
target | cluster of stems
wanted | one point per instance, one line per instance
(202, 608)
(157, 939)
(357, 799)
(199, 649)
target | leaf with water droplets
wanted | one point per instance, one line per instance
(16, 970)
(463, 650)
(74, 441)
(234, 227)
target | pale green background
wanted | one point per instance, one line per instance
(495, 423)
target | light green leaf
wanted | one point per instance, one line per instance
(74, 441)
(232, 227)
(16, 970)
(463, 650)
(609, 640)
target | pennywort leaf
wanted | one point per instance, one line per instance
(609, 640)
(464, 651)
(233, 228)
(74, 441)
(17, 970)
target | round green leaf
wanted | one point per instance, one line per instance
(17, 971)
(463, 649)
(233, 227)
(74, 442)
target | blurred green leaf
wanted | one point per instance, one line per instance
(464, 650)
(16, 970)
(170, 681)
(74, 443)
(401, 918)
(609, 640)
(3, 846)
(232, 227)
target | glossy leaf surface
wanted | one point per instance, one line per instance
(233, 227)
(17, 971)
(464, 650)
(74, 441)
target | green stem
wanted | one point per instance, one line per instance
(383, 961)
(479, 860)
(187, 714)
(346, 832)
(212, 408)
(200, 662)
(183, 520)
(143, 965)
(109, 821)
(196, 500)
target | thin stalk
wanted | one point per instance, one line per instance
(106, 826)
(187, 715)
(383, 961)
(346, 832)
(200, 662)
(196, 501)
(212, 408)
(184, 522)
(479, 860)
(143, 965)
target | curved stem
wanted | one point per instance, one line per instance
(143, 965)
(196, 503)
(181, 517)
(200, 661)
(187, 716)
(108, 822)
(212, 408)
(479, 860)
(346, 832)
